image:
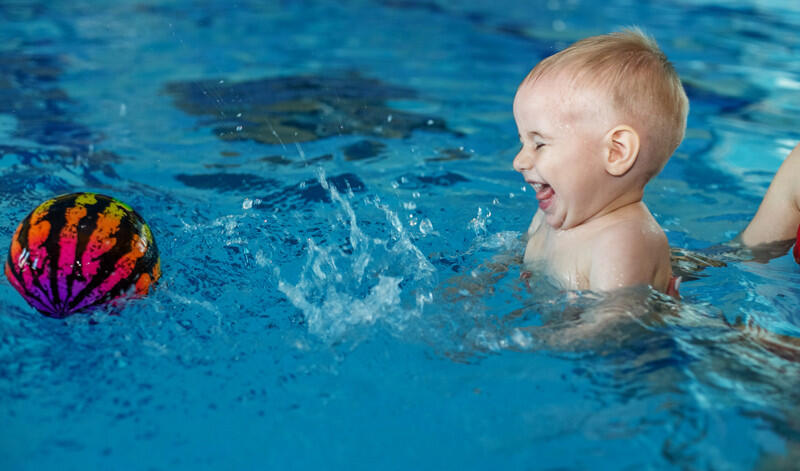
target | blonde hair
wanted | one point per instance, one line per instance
(641, 83)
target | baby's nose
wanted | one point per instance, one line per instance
(522, 162)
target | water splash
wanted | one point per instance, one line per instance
(370, 278)
(480, 222)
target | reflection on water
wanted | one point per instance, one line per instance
(285, 110)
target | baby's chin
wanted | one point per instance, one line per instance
(555, 220)
(564, 220)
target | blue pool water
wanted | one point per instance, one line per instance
(330, 184)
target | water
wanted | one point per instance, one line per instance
(330, 186)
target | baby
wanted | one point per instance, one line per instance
(597, 121)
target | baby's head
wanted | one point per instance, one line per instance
(613, 109)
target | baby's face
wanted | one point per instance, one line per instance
(562, 131)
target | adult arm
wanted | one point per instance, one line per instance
(778, 215)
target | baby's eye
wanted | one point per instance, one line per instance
(539, 145)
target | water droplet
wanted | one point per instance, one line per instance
(425, 226)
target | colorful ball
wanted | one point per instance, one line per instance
(81, 250)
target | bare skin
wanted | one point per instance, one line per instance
(779, 214)
(592, 230)
(625, 248)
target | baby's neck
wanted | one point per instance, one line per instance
(620, 205)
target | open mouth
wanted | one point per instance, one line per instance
(544, 194)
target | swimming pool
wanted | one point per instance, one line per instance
(316, 175)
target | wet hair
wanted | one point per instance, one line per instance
(642, 85)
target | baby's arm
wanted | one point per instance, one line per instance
(779, 214)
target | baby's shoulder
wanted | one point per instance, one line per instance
(630, 251)
(638, 235)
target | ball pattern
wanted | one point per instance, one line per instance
(80, 250)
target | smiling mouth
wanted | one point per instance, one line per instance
(538, 186)
(544, 194)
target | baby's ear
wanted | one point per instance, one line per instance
(622, 146)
